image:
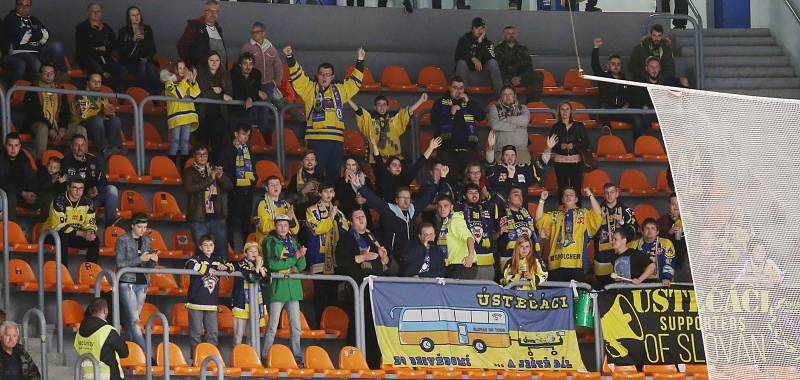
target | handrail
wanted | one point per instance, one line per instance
(4, 108)
(280, 136)
(359, 311)
(79, 364)
(148, 330)
(698, 42)
(59, 291)
(140, 117)
(107, 273)
(6, 252)
(791, 9)
(220, 366)
(551, 284)
(644, 285)
(696, 14)
(42, 335)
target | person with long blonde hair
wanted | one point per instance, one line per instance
(524, 266)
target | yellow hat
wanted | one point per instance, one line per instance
(251, 244)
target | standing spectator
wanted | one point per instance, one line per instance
(246, 87)
(254, 272)
(681, 8)
(21, 189)
(99, 117)
(47, 114)
(453, 117)
(270, 207)
(30, 44)
(654, 44)
(134, 250)
(182, 119)
(284, 255)
(423, 258)
(516, 65)
(630, 263)
(475, 56)
(384, 128)
(215, 83)
(202, 297)
(239, 163)
(15, 362)
(95, 48)
(347, 196)
(569, 230)
(97, 337)
(475, 174)
(516, 222)
(480, 220)
(391, 175)
(202, 36)
(508, 174)
(524, 266)
(137, 49)
(615, 215)
(359, 254)
(49, 183)
(509, 122)
(206, 206)
(670, 226)
(456, 241)
(324, 224)
(640, 97)
(324, 108)
(71, 215)
(573, 142)
(80, 164)
(658, 249)
(307, 177)
(611, 95)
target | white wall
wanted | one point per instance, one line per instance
(776, 16)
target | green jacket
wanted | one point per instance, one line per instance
(513, 61)
(279, 261)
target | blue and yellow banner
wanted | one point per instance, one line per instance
(474, 326)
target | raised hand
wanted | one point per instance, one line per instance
(361, 54)
(491, 139)
(435, 143)
(552, 140)
(445, 171)
(597, 42)
(544, 195)
(424, 97)
(587, 191)
(287, 51)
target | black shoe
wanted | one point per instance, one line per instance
(407, 5)
(593, 9)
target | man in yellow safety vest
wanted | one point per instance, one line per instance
(102, 340)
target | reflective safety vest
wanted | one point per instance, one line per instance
(93, 344)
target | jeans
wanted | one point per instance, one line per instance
(490, 69)
(106, 133)
(26, 65)
(215, 228)
(293, 311)
(329, 156)
(131, 298)
(146, 74)
(108, 197)
(117, 71)
(180, 139)
(199, 320)
(240, 327)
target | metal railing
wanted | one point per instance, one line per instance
(78, 367)
(148, 331)
(59, 291)
(6, 252)
(140, 159)
(98, 282)
(280, 135)
(791, 9)
(42, 335)
(699, 51)
(220, 367)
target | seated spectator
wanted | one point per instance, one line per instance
(49, 183)
(15, 362)
(237, 160)
(78, 163)
(202, 36)
(271, 206)
(359, 254)
(516, 65)
(284, 254)
(21, 189)
(654, 44)
(640, 97)
(391, 175)
(611, 95)
(95, 48)
(215, 83)
(515, 222)
(384, 128)
(347, 196)
(658, 249)
(206, 209)
(509, 121)
(524, 266)
(307, 177)
(72, 215)
(569, 230)
(246, 87)
(182, 119)
(137, 48)
(99, 117)
(474, 174)
(30, 44)
(475, 56)
(456, 241)
(670, 226)
(480, 218)
(759, 270)
(508, 173)
(423, 258)
(255, 274)
(202, 297)
(615, 215)
(630, 264)
(453, 117)
(134, 250)
(47, 114)
(571, 144)
(99, 338)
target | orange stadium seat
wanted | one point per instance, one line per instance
(110, 236)
(587, 121)
(157, 328)
(403, 373)
(616, 124)
(633, 181)
(352, 359)
(517, 375)
(550, 87)
(662, 185)
(245, 357)
(177, 362)
(73, 72)
(151, 107)
(595, 180)
(694, 369)
(152, 138)
(88, 273)
(368, 83)
(305, 330)
(644, 211)
(67, 283)
(16, 239)
(258, 143)
(120, 169)
(649, 148)
(281, 357)
(396, 78)
(675, 376)
(224, 317)
(479, 89)
(50, 153)
(433, 79)
(538, 144)
(290, 141)
(179, 317)
(425, 107)
(225, 286)
(354, 143)
(204, 350)
(652, 369)
(424, 140)
(540, 119)
(624, 369)
(21, 274)
(334, 321)
(28, 154)
(182, 240)
(552, 375)
(317, 359)
(612, 148)
(72, 314)
(164, 170)
(628, 376)
(166, 283)
(18, 97)
(586, 376)
(165, 206)
(161, 246)
(265, 169)
(131, 202)
(575, 83)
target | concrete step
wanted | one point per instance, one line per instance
(746, 50)
(61, 372)
(749, 71)
(717, 83)
(747, 60)
(769, 93)
(723, 32)
(730, 41)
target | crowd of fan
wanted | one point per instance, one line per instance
(469, 220)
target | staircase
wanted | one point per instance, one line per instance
(57, 367)
(742, 61)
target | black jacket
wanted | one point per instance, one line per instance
(640, 97)
(132, 51)
(244, 88)
(88, 38)
(227, 159)
(15, 27)
(20, 173)
(347, 249)
(27, 368)
(576, 136)
(193, 46)
(91, 170)
(612, 95)
(32, 106)
(468, 47)
(114, 343)
(387, 184)
(414, 257)
(346, 196)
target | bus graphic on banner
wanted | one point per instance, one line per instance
(432, 326)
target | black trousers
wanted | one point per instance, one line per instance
(240, 211)
(681, 8)
(566, 274)
(569, 175)
(72, 240)
(461, 272)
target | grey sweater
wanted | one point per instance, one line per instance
(127, 254)
(511, 130)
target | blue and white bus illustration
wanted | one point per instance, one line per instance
(429, 326)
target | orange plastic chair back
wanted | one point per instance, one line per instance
(20, 272)
(354, 142)
(163, 167)
(648, 145)
(266, 168)
(285, 321)
(280, 356)
(395, 75)
(151, 134)
(334, 318)
(147, 310)
(586, 376)
(352, 358)
(644, 211)
(50, 153)
(165, 204)
(317, 358)
(72, 313)
(651, 369)
(245, 356)
(204, 350)
(573, 78)
(628, 376)
(610, 145)
(18, 97)
(182, 240)
(682, 376)
(432, 77)
(367, 79)
(176, 358)
(15, 234)
(595, 180)
(135, 356)
(121, 166)
(179, 316)
(87, 275)
(131, 200)
(50, 274)
(633, 180)
(111, 234)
